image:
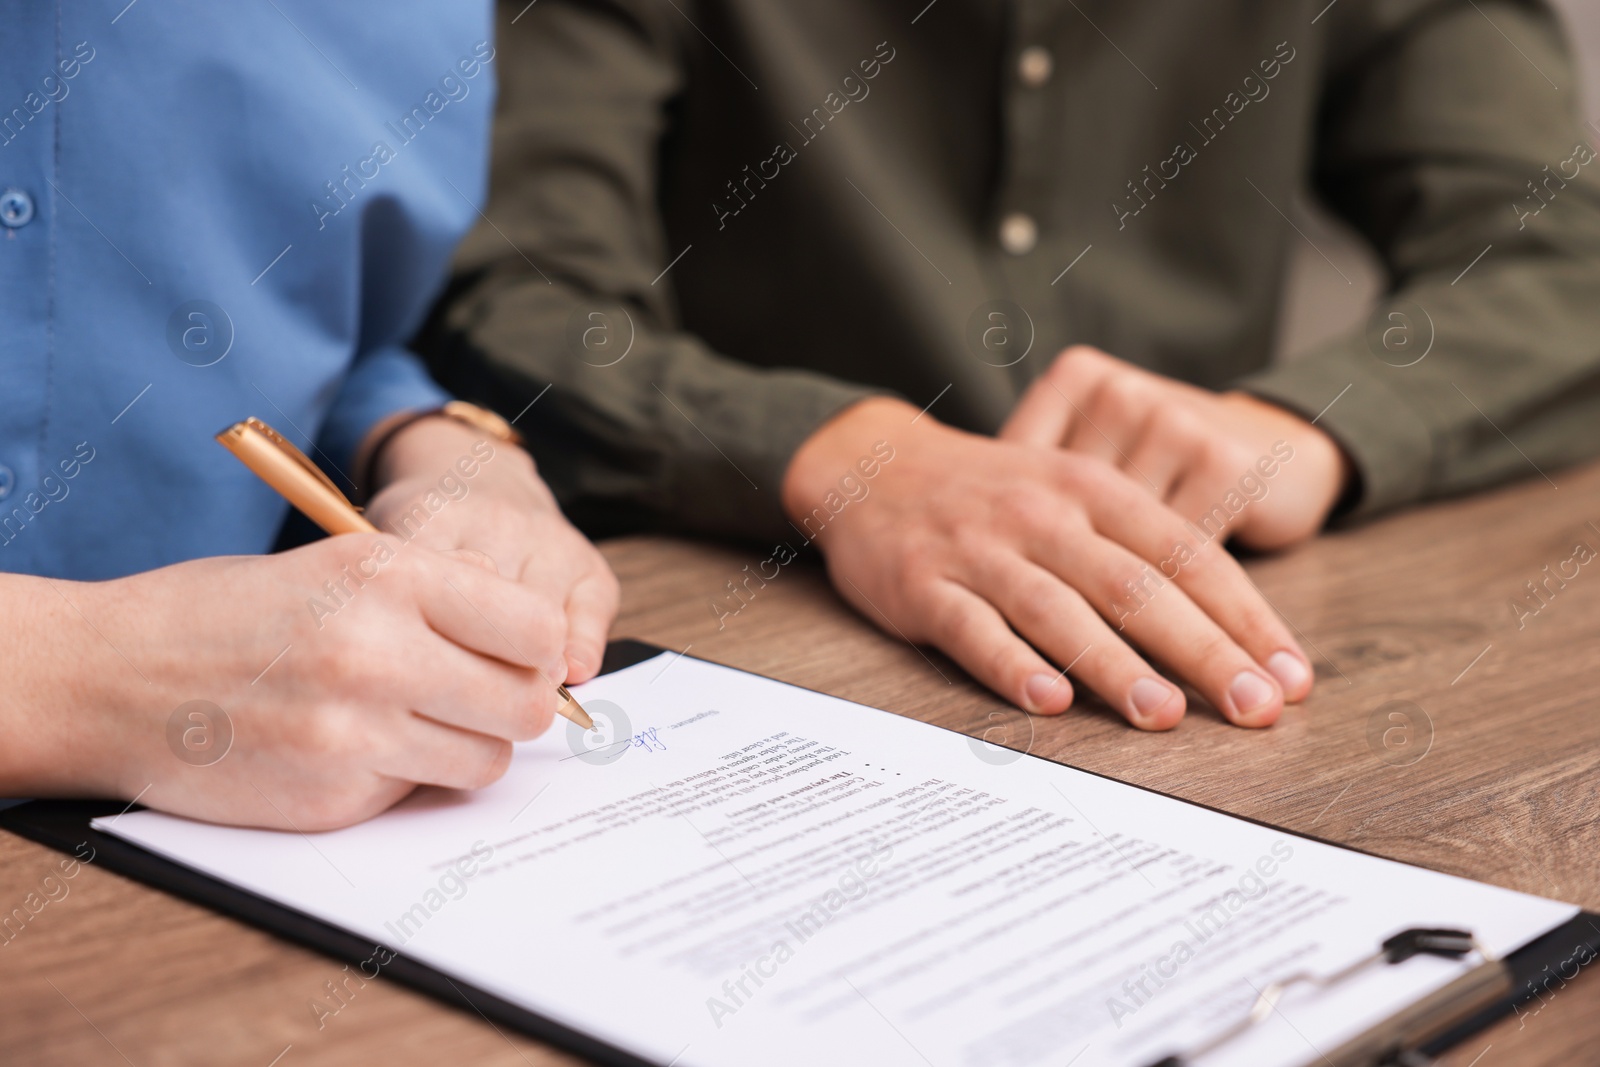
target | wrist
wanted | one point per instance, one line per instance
(1345, 481)
(839, 443)
(1343, 477)
(1321, 466)
(1328, 469)
(430, 446)
(377, 463)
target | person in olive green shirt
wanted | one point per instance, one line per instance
(979, 297)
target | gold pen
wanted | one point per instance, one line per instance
(276, 461)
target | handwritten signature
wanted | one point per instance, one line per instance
(648, 741)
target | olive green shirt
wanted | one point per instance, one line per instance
(714, 223)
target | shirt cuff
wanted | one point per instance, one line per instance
(714, 494)
(1349, 395)
(379, 384)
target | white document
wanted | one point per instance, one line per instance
(752, 873)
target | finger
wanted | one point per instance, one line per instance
(591, 607)
(574, 574)
(970, 631)
(1191, 555)
(1058, 621)
(1203, 498)
(1221, 588)
(503, 619)
(1052, 404)
(1114, 413)
(484, 695)
(1210, 491)
(1165, 450)
(429, 753)
(1158, 616)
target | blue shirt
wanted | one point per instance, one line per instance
(211, 211)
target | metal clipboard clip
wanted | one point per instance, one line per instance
(1398, 1040)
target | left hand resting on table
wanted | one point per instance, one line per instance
(1188, 446)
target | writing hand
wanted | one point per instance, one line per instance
(346, 672)
(503, 515)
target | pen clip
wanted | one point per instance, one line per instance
(287, 447)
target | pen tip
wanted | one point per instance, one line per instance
(572, 709)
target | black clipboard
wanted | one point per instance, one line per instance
(64, 825)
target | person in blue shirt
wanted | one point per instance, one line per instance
(211, 212)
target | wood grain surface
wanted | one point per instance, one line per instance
(1493, 774)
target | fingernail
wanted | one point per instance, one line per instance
(1039, 689)
(1289, 669)
(1149, 696)
(1249, 692)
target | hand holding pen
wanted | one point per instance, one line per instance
(289, 471)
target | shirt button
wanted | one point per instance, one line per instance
(16, 208)
(8, 481)
(1018, 233)
(1034, 65)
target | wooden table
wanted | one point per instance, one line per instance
(1416, 609)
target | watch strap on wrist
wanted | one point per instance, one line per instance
(486, 422)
